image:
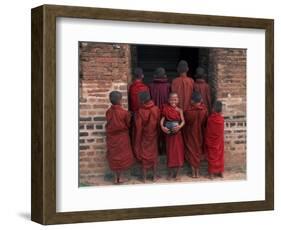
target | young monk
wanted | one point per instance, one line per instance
(135, 88)
(160, 87)
(119, 151)
(171, 123)
(214, 141)
(202, 87)
(146, 135)
(183, 85)
(195, 122)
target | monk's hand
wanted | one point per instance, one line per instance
(176, 129)
(165, 130)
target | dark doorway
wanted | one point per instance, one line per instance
(150, 57)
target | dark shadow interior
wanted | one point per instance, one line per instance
(151, 57)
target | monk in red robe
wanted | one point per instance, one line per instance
(119, 150)
(172, 121)
(146, 135)
(202, 87)
(214, 141)
(160, 87)
(159, 91)
(135, 88)
(183, 85)
(193, 132)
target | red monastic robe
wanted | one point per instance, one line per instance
(146, 134)
(119, 150)
(183, 86)
(135, 88)
(159, 91)
(203, 88)
(193, 132)
(214, 141)
(174, 142)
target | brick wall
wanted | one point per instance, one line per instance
(227, 70)
(103, 68)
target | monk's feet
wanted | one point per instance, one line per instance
(155, 178)
(121, 181)
(170, 177)
(211, 176)
(177, 178)
(220, 175)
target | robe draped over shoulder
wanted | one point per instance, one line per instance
(214, 141)
(135, 88)
(183, 86)
(146, 134)
(159, 91)
(174, 142)
(204, 89)
(119, 150)
(193, 132)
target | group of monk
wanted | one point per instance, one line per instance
(176, 118)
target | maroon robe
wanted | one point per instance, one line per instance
(119, 150)
(174, 142)
(135, 88)
(183, 86)
(159, 91)
(203, 88)
(193, 132)
(146, 134)
(214, 142)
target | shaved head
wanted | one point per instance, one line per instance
(160, 72)
(182, 67)
(115, 97)
(144, 96)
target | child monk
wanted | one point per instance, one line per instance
(214, 141)
(146, 135)
(119, 151)
(171, 123)
(135, 88)
(183, 85)
(193, 132)
(202, 87)
(160, 87)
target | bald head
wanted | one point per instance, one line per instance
(144, 97)
(160, 73)
(115, 97)
(182, 67)
(200, 73)
(138, 73)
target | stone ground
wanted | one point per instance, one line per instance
(184, 176)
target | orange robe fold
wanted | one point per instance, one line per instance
(183, 86)
(174, 142)
(203, 88)
(146, 134)
(135, 88)
(214, 141)
(119, 150)
(193, 132)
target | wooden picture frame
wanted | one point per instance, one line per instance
(43, 208)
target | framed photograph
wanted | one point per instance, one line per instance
(139, 114)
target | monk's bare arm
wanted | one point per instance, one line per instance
(178, 127)
(182, 119)
(164, 129)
